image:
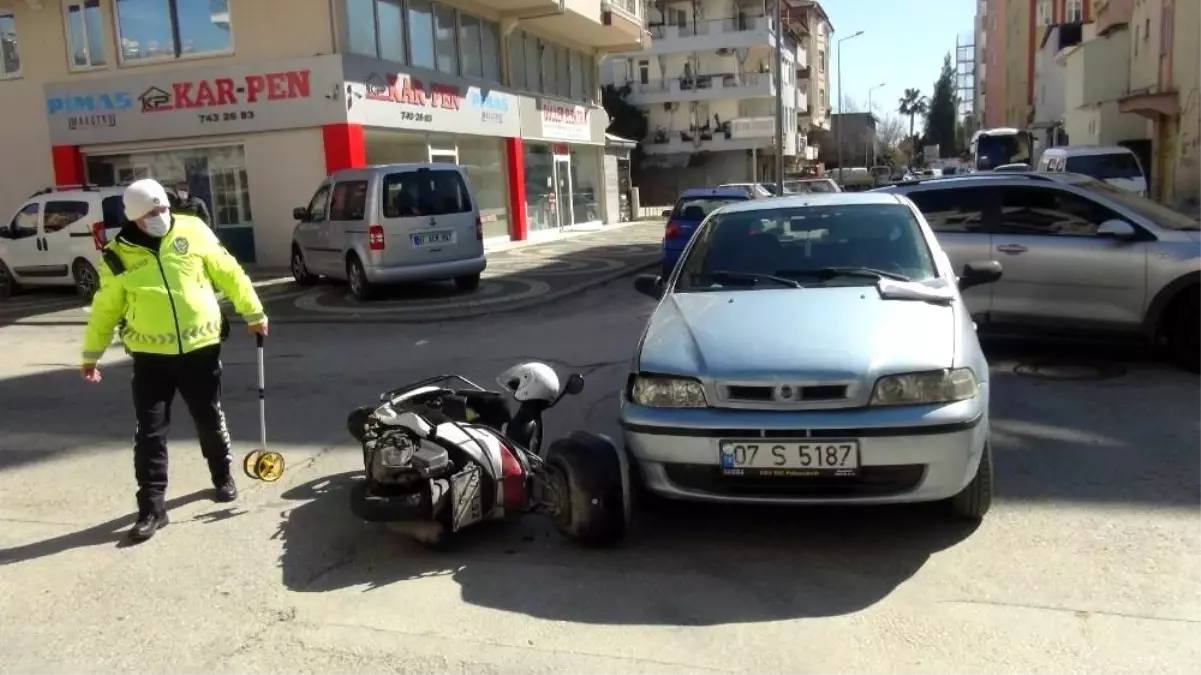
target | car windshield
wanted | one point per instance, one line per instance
(699, 208)
(1153, 211)
(1104, 167)
(804, 246)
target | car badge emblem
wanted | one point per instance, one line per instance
(784, 393)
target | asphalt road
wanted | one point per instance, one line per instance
(1088, 562)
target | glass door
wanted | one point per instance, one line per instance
(562, 192)
(450, 156)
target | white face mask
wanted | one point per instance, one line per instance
(157, 225)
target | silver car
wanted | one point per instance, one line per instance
(813, 349)
(1080, 256)
(390, 224)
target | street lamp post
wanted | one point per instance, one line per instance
(838, 136)
(779, 21)
(871, 111)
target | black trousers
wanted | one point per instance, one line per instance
(156, 379)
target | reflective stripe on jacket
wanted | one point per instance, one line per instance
(167, 295)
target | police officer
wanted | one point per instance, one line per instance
(168, 267)
(189, 204)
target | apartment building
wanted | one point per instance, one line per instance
(707, 85)
(254, 102)
(980, 40)
(1059, 25)
(993, 80)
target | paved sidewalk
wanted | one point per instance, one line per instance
(518, 276)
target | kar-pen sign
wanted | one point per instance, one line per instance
(227, 91)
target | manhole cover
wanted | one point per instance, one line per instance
(1070, 371)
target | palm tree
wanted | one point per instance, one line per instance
(911, 105)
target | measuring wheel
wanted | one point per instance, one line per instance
(250, 464)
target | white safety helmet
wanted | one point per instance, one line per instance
(531, 382)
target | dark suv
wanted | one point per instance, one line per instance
(1079, 255)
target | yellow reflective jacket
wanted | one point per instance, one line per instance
(165, 290)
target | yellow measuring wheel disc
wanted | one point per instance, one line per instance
(270, 466)
(251, 463)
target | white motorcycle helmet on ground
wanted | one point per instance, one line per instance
(531, 382)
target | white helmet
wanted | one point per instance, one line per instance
(531, 382)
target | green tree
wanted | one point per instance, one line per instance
(911, 105)
(942, 118)
(625, 120)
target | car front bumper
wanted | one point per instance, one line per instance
(906, 453)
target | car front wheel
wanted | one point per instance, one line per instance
(975, 500)
(8, 285)
(1181, 329)
(300, 273)
(87, 280)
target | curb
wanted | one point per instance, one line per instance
(468, 312)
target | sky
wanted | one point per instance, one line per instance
(902, 46)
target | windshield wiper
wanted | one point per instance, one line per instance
(832, 272)
(727, 275)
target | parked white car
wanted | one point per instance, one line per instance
(55, 238)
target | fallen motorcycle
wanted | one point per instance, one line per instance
(441, 458)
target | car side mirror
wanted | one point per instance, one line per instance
(300, 213)
(666, 213)
(650, 285)
(575, 384)
(979, 273)
(1115, 228)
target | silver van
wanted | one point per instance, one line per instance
(390, 224)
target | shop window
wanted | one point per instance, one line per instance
(483, 159)
(541, 197)
(517, 55)
(349, 201)
(585, 184)
(550, 67)
(228, 187)
(421, 33)
(61, 213)
(10, 57)
(170, 29)
(85, 34)
(491, 49)
(533, 63)
(417, 194)
(444, 39)
(471, 46)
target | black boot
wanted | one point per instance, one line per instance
(148, 523)
(227, 491)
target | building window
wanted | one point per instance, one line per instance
(517, 57)
(644, 72)
(533, 63)
(444, 39)
(85, 34)
(577, 76)
(563, 57)
(154, 30)
(490, 32)
(390, 19)
(10, 58)
(550, 70)
(470, 49)
(421, 33)
(821, 61)
(377, 28)
(1074, 11)
(1044, 17)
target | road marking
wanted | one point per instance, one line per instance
(534, 288)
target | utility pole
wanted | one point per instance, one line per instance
(841, 120)
(779, 21)
(871, 121)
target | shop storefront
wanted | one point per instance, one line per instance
(563, 147)
(247, 139)
(422, 116)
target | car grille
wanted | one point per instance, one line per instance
(872, 481)
(817, 393)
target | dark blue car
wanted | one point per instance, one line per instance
(692, 207)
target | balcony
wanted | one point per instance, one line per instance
(741, 133)
(612, 25)
(1096, 70)
(802, 101)
(702, 88)
(1111, 15)
(742, 32)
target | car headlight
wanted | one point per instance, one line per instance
(668, 392)
(936, 386)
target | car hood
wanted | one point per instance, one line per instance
(833, 333)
